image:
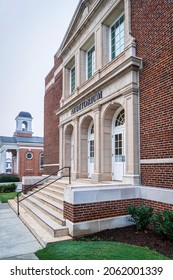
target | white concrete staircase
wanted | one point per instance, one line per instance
(42, 213)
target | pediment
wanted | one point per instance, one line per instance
(82, 11)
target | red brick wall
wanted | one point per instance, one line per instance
(160, 175)
(107, 209)
(51, 121)
(29, 167)
(152, 27)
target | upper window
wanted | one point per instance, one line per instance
(72, 79)
(90, 62)
(117, 37)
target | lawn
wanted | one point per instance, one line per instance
(97, 250)
(4, 197)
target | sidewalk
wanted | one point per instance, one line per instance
(16, 241)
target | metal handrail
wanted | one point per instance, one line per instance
(34, 185)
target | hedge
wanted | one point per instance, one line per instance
(8, 188)
(9, 178)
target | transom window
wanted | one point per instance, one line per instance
(90, 62)
(117, 37)
(92, 129)
(120, 120)
(72, 79)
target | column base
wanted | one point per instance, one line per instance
(96, 177)
(74, 175)
(133, 180)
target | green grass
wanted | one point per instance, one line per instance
(97, 250)
(4, 197)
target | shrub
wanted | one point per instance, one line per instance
(8, 188)
(141, 216)
(162, 222)
(9, 178)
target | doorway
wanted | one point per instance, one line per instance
(118, 145)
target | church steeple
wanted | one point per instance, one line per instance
(23, 125)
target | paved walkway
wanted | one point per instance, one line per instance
(16, 241)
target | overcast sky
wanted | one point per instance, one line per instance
(31, 32)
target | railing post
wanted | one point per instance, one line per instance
(18, 205)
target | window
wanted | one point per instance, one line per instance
(117, 37)
(92, 129)
(41, 161)
(120, 120)
(29, 155)
(90, 62)
(72, 79)
(91, 150)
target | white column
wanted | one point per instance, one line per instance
(98, 47)
(17, 162)
(76, 148)
(132, 139)
(61, 144)
(96, 177)
(3, 161)
(77, 69)
(130, 45)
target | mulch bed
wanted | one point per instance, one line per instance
(129, 235)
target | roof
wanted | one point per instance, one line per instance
(24, 114)
(33, 139)
(21, 139)
(6, 139)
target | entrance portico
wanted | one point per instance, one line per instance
(102, 144)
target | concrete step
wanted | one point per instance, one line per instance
(49, 202)
(60, 183)
(54, 228)
(42, 235)
(53, 196)
(53, 213)
(57, 187)
(54, 191)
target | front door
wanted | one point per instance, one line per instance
(118, 147)
(90, 150)
(118, 156)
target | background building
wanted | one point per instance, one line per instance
(26, 150)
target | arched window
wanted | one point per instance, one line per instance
(120, 120)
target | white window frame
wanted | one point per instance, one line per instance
(93, 62)
(110, 43)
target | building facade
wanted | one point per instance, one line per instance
(109, 99)
(27, 151)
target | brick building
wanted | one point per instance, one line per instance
(109, 99)
(26, 150)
